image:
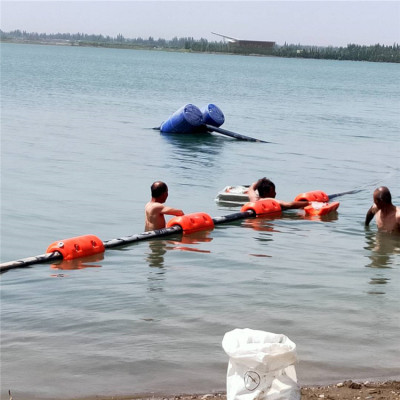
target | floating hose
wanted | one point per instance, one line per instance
(55, 252)
(26, 262)
(109, 244)
(87, 245)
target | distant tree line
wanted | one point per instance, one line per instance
(375, 53)
(83, 39)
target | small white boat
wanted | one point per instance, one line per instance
(236, 195)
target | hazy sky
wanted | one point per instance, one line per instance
(324, 23)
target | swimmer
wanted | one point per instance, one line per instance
(387, 215)
(266, 189)
(155, 208)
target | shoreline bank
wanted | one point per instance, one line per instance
(298, 52)
(349, 389)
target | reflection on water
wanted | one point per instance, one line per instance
(79, 263)
(379, 281)
(158, 248)
(261, 224)
(203, 142)
(195, 148)
(155, 257)
(332, 216)
(193, 238)
(383, 247)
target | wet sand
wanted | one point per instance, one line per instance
(351, 390)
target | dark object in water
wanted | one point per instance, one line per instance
(190, 119)
(184, 120)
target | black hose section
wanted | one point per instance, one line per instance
(332, 196)
(109, 244)
(234, 217)
(25, 262)
(235, 135)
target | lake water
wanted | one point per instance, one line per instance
(79, 155)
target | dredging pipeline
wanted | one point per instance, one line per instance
(87, 245)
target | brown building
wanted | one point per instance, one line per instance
(248, 46)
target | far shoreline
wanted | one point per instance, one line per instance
(128, 47)
(101, 45)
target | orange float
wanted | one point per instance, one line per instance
(321, 208)
(192, 222)
(263, 206)
(76, 247)
(319, 203)
(316, 195)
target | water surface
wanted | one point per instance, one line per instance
(79, 156)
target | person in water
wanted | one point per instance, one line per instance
(387, 215)
(155, 208)
(266, 189)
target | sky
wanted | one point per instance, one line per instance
(319, 23)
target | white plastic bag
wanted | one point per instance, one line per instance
(261, 366)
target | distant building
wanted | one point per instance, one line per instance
(248, 46)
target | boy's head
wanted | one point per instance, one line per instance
(266, 188)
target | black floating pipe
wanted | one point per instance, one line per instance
(332, 196)
(210, 128)
(109, 244)
(225, 132)
(234, 217)
(49, 257)
(26, 262)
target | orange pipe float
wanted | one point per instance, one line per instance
(192, 222)
(316, 195)
(77, 247)
(89, 245)
(319, 203)
(321, 208)
(263, 206)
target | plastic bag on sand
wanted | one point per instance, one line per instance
(260, 366)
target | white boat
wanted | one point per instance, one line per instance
(236, 195)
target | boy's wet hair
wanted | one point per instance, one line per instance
(264, 187)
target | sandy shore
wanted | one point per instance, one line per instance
(351, 390)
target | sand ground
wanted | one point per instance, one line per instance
(347, 390)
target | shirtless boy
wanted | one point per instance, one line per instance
(387, 215)
(266, 189)
(155, 209)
